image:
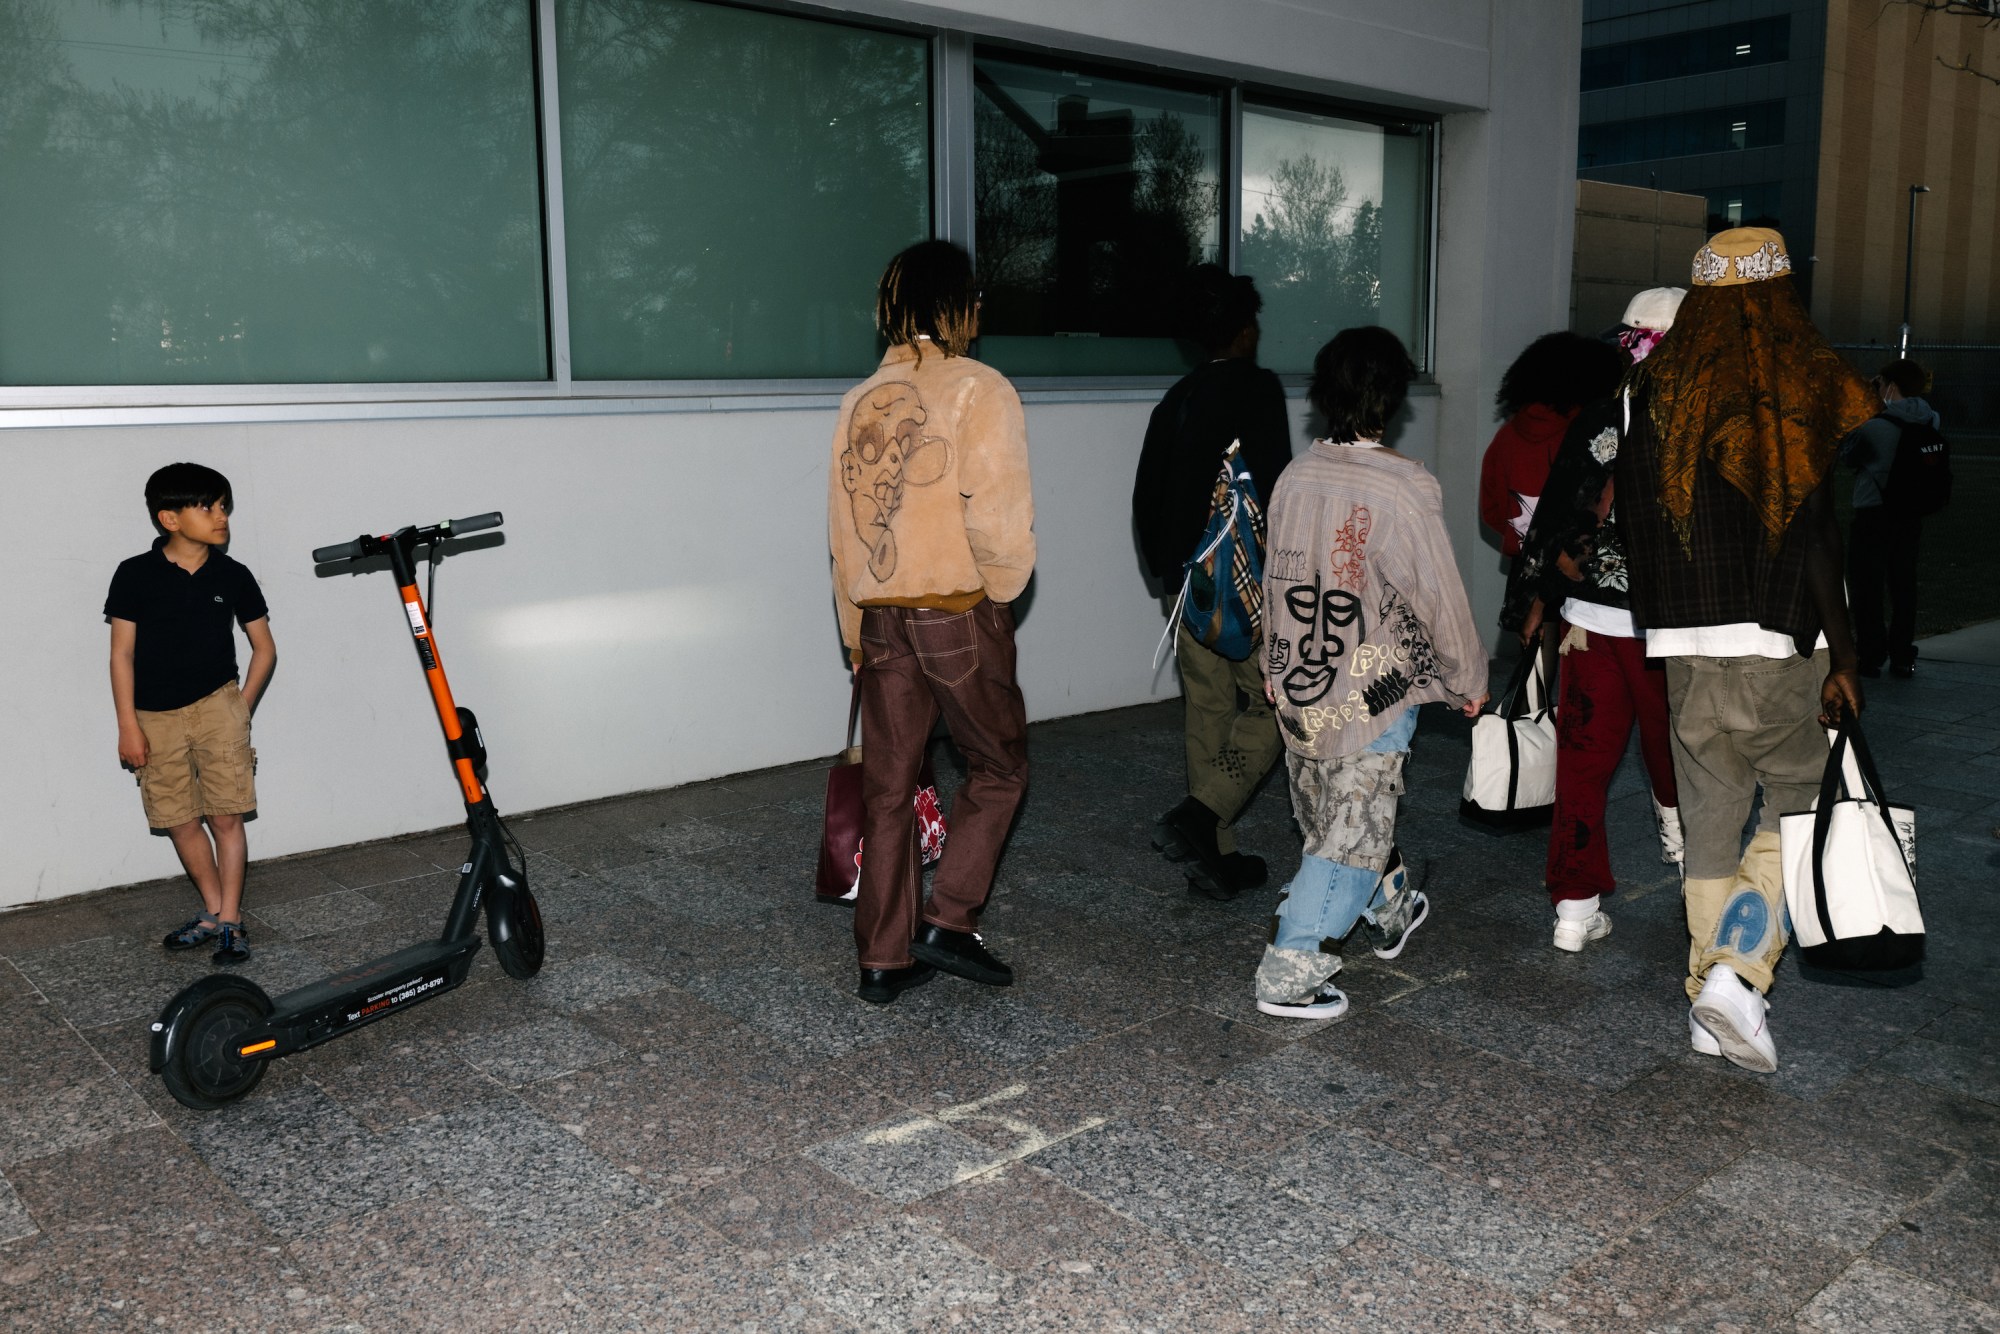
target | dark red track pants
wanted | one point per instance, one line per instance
(915, 664)
(1606, 687)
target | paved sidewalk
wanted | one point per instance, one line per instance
(689, 1122)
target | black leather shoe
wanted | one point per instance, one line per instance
(879, 986)
(961, 953)
(1245, 870)
(1213, 876)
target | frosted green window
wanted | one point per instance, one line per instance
(268, 191)
(1336, 229)
(1092, 195)
(733, 184)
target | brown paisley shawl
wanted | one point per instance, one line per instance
(1746, 382)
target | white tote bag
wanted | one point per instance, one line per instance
(1511, 782)
(1850, 868)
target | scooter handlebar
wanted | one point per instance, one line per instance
(341, 551)
(477, 523)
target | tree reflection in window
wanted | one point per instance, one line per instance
(1092, 196)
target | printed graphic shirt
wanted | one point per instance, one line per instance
(1364, 613)
(1576, 517)
(929, 503)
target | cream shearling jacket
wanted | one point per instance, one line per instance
(929, 502)
(1364, 612)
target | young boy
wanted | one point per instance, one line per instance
(1364, 619)
(183, 725)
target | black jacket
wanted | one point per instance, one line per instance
(1210, 406)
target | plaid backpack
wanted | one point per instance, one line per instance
(1222, 598)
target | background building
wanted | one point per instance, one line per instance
(1815, 118)
(607, 265)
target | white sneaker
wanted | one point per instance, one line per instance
(1736, 1013)
(1701, 1039)
(1573, 933)
(1329, 1002)
(1673, 843)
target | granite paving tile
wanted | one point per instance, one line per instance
(573, 986)
(1381, 1285)
(1942, 1065)
(924, 1069)
(147, 1183)
(519, 1170)
(1869, 1299)
(799, 1013)
(781, 1206)
(99, 981)
(1243, 1223)
(898, 1273)
(301, 1161)
(44, 926)
(1482, 1231)
(301, 918)
(663, 1018)
(42, 1053)
(387, 1074)
(532, 1052)
(1832, 1212)
(1466, 1012)
(1205, 1043)
(991, 1020)
(374, 864)
(82, 1279)
(688, 891)
(904, 1159)
(1953, 1238)
(15, 1219)
(50, 1121)
(1309, 1077)
(393, 1268)
(1698, 1267)
(1856, 1143)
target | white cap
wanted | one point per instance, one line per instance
(1654, 308)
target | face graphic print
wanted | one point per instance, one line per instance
(887, 450)
(1321, 611)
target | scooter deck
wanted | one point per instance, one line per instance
(364, 993)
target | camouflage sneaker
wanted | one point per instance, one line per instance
(1402, 912)
(1329, 1002)
(199, 931)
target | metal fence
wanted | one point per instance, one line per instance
(1965, 379)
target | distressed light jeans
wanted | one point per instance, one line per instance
(1347, 809)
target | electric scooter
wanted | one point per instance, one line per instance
(216, 1038)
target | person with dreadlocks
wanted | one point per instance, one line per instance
(930, 517)
(1724, 481)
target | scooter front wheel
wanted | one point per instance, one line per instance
(197, 1042)
(514, 925)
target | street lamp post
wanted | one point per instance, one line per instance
(1909, 268)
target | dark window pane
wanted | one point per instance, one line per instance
(1092, 195)
(733, 183)
(268, 191)
(1677, 55)
(1710, 130)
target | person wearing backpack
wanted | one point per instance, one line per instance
(1231, 737)
(1902, 472)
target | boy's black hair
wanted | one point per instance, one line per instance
(1219, 305)
(180, 485)
(1360, 379)
(1911, 380)
(1561, 370)
(928, 289)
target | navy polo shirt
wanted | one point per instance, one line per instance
(186, 647)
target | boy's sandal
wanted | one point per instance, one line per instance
(199, 931)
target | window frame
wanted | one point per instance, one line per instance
(950, 75)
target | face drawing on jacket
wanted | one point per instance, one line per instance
(887, 450)
(1321, 612)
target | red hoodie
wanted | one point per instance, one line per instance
(1514, 469)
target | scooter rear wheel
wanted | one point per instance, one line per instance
(203, 1069)
(514, 924)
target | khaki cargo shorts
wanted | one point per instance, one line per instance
(199, 760)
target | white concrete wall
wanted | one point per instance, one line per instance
(659, 611)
